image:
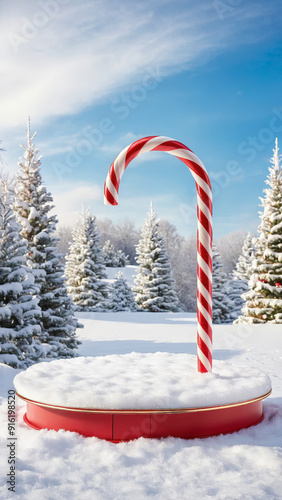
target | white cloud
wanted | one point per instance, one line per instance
(115, 147)
(69, 200)
(83, 52)
(58, 144)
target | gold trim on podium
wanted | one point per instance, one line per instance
(139, 411)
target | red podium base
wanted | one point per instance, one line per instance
(125, 425)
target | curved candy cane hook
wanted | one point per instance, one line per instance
(204, 230)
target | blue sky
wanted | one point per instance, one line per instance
(96, 75)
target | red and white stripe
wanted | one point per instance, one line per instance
(204, 231)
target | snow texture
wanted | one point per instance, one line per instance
(139, 381)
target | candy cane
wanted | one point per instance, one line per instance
(204, 231)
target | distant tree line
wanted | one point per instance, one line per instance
(123, 238)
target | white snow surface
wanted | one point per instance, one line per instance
(246, 465)
(139, 381)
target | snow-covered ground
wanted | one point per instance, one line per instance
(245, 465)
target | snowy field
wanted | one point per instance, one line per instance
(245, 465)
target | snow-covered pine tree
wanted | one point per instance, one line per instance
(109, 254)
(32, 205)
(114, 258)
(85, 268)
(154, 285)
(264, 298)
(19, 311)
(122, 260)
(121, 297)
(241, 275)
(222, 306)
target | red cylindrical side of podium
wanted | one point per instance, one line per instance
(125, 425)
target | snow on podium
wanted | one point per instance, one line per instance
(123, 397)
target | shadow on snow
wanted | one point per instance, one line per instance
(105, 347)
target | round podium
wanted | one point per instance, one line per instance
(120, 398)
